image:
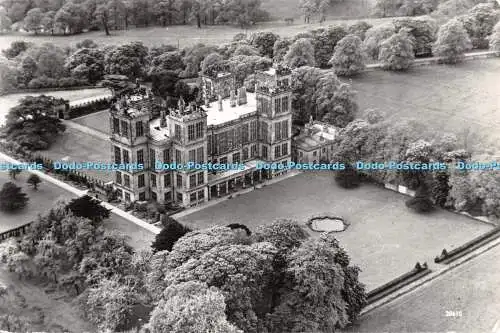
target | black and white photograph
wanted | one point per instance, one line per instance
(250, 166)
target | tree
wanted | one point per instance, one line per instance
(348, 58)
(423, 31)
(243, 13)
(193, 57)
(31, 123)
(494, 39)
(163, 83)
(89, 208)
(325, 41)
(396, 52)
(189, 300)
(374, 37)
(322, 290)
(169, 61)
(246, 50)
(12, 198)
(48, 22)
(243, 66)
(34, 180)
(169, 234)
(14, 172)
(452, 42)
(264, 42)
(86, 63)
(5, 21)
(479, 22)
(359, 29)
(16, 48)
(212, 63)
(301, 53)
(33, 20)
(280, 48)
(348, 178)
(128, 59)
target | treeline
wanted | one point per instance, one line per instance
(76, 16)
(276, 279)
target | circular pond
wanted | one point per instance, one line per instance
(326, 223)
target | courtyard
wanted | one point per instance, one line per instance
(384, 238)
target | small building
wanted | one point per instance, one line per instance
(315, 143)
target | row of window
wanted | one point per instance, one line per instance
(122, 128)
(221, 143)
(122, 156)
(281, 104)
(196, 179)
(124, 179)
(279, 150)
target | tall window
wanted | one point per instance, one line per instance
(126, 180)
(264, 152)
(116, 125)
(177, 132)
(126, 158)
(139, 130)
(118, 177)
(284, 104)
(141, 182)
(153, 180)
(277, 151)
(167, 196)
(244, 133)
(199, 130)
(178, 156)
(223, 160)
(236, 158)
(277, 131)
(253, 151)
(264, 132)
(200, 156)
(124, 128)
(244, 155)
(277, 104)
(167, 180)
(253, 130)
(140, 156)
(201, 178)
(118, 157)
(152, 158)
(166, 156)
(192, 155)
(179, 180)
(284, 149)
(191, 132)
(142, 196)
(284, 129)
(192, 181)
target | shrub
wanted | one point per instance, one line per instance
(452, 42)
(396, 52)
(348, 58)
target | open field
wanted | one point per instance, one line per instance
(98, 121)
(279, 9)
(458, 99)
(176, 35)
(385, 238)
(11, 100)
(40, 201)
(472, 288)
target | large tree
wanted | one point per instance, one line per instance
(33, 20)
(396, 52)
(452, 42)
(32, 123)
(12, 198)
(422, 30)
(169, 234)
(479, 22)
(264, 42)
(325, 41)
(86, 63)
(89, 208)
(348, 58)
(128, 59)
(494, 39)
(374, 37)
(301, 53)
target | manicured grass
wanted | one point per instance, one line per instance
(11, 100)
(384, 238)
(184, 35)
(98, 121)
(40, 201)
(472, 288)
(462, 99)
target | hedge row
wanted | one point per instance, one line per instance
(88, 108)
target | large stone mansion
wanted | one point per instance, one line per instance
(232, 127)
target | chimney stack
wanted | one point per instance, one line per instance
(233, 99)
(242, 96)
(220, 103)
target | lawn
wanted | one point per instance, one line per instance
(472, 288)
(98, 121)
(459, 99)
(385, 238)
(40, 201)
(11, 100)
(177, 35)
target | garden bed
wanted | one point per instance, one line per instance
(327, 223)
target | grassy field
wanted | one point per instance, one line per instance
(385, 238)
(98, 121)
(176, 35)
(40, 201)
(291, 8)
(462, 99)
(472, 288)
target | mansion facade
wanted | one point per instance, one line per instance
(232, 126)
